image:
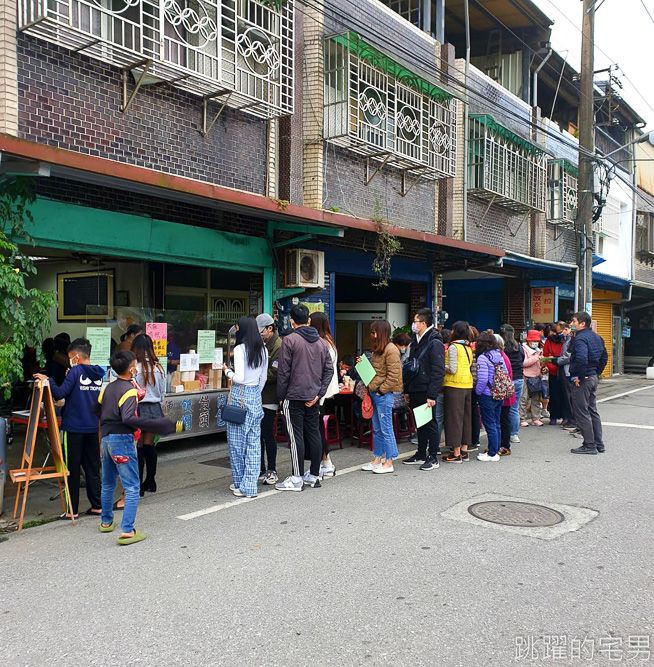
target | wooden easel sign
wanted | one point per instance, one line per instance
(26, 474)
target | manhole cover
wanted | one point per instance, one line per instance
(507, 513)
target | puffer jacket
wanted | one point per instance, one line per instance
(531, 364)
(588, 355)
(388, 369)
(486, 371)
(432, 365)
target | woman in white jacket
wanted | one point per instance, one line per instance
(320, 322)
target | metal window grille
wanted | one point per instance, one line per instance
(645, 233)
(374, 107)
(408, 9)
(504, 168)
(561, 192)
(243, 48)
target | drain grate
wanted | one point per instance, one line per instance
(508, 513)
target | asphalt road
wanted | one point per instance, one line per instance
(364, 571)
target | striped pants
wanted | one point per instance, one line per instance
(244, 440)
(303, 426)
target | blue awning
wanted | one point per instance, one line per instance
(533, 263)
(604, 280)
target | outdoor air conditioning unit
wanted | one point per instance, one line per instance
(304, 268)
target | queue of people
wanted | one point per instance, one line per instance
(467, 379)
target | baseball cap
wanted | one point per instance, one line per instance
(264, 320)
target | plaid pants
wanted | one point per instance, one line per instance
(244, 439)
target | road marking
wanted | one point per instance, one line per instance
(625, 393)
(648, 428)
(267, 494)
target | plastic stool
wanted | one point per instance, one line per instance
(366, 424)
(410, 425)
(336, 436)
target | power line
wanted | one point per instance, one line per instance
(642, 2)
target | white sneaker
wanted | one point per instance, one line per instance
(232, 487)
(488, 457)
(380, 470)
(544, 414)
(271, 478)
(327, 470)
(413, 439)
(515, 438)
(310, 480)
(239, 494)
(290, 484)
(370, 466)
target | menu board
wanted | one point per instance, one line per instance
(158, 331)
(206, 345)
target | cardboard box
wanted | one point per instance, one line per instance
(192, 385)
(215, 379)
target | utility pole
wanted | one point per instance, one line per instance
(586, 182)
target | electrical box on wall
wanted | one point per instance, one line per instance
(304, 268)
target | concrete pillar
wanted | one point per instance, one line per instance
(8, 69)
(445, 186)
(312, 105)
(462, 144)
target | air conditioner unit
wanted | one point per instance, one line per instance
(304, 268)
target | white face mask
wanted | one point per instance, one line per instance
(74, 361)
(533, 346)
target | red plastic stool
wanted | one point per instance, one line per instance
(366, 439)
(279, 428)
(336, 434)
(410, 425)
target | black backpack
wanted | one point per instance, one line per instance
(411, 366)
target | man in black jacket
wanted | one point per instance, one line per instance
(427, 347)
(304, 372)
(588, 359)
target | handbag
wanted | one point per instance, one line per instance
(234, 414)
(534, 385)
(366, 407)
(411, 366)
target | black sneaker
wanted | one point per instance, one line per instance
(430, 464)
(473, 448)
(584, 450)
(414, 460)
(601, 450)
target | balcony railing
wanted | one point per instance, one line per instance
(504, 168)
(241, 50)
(561, 192)
(375, 107)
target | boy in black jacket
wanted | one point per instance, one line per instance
(80, 388)
(117, 406)
(427, 347)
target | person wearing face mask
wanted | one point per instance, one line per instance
(531, 392)
(273, 343)
(423, 376)
(563, 362)
(80, 388)
(552, 349)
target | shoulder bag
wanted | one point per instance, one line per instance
(234, 414)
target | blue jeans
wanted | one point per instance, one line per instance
(490, 416)
(119, 459)
(439, 415)
(382, 425)
(515, 408)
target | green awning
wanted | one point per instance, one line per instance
(391, 67)
(505, 133)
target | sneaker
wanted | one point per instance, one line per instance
(514, 438)
(465, 456)
(262, 475)
(370, 466)
(601, 449)
(488, 457)
(504, 451)
(327, 470)
(552, 422)
(453, 459)
(381, 470)
(574, 431)
(524, 424)
(564, 422)
(414, 460)
(430, 464)
(537, 422)
(571, 428)
(290, 484)
(473, 448)
(270, 478)
(544, 414)
(232, 487)
(584, 450)
(413, 439)
(310, 480)
(239, 494)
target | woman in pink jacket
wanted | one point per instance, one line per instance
(531, 393)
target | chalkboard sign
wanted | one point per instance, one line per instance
(85, 296)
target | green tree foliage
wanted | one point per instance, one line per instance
(24, 313)
(386, 247)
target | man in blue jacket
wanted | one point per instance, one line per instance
(588, 358)
(81, 445)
